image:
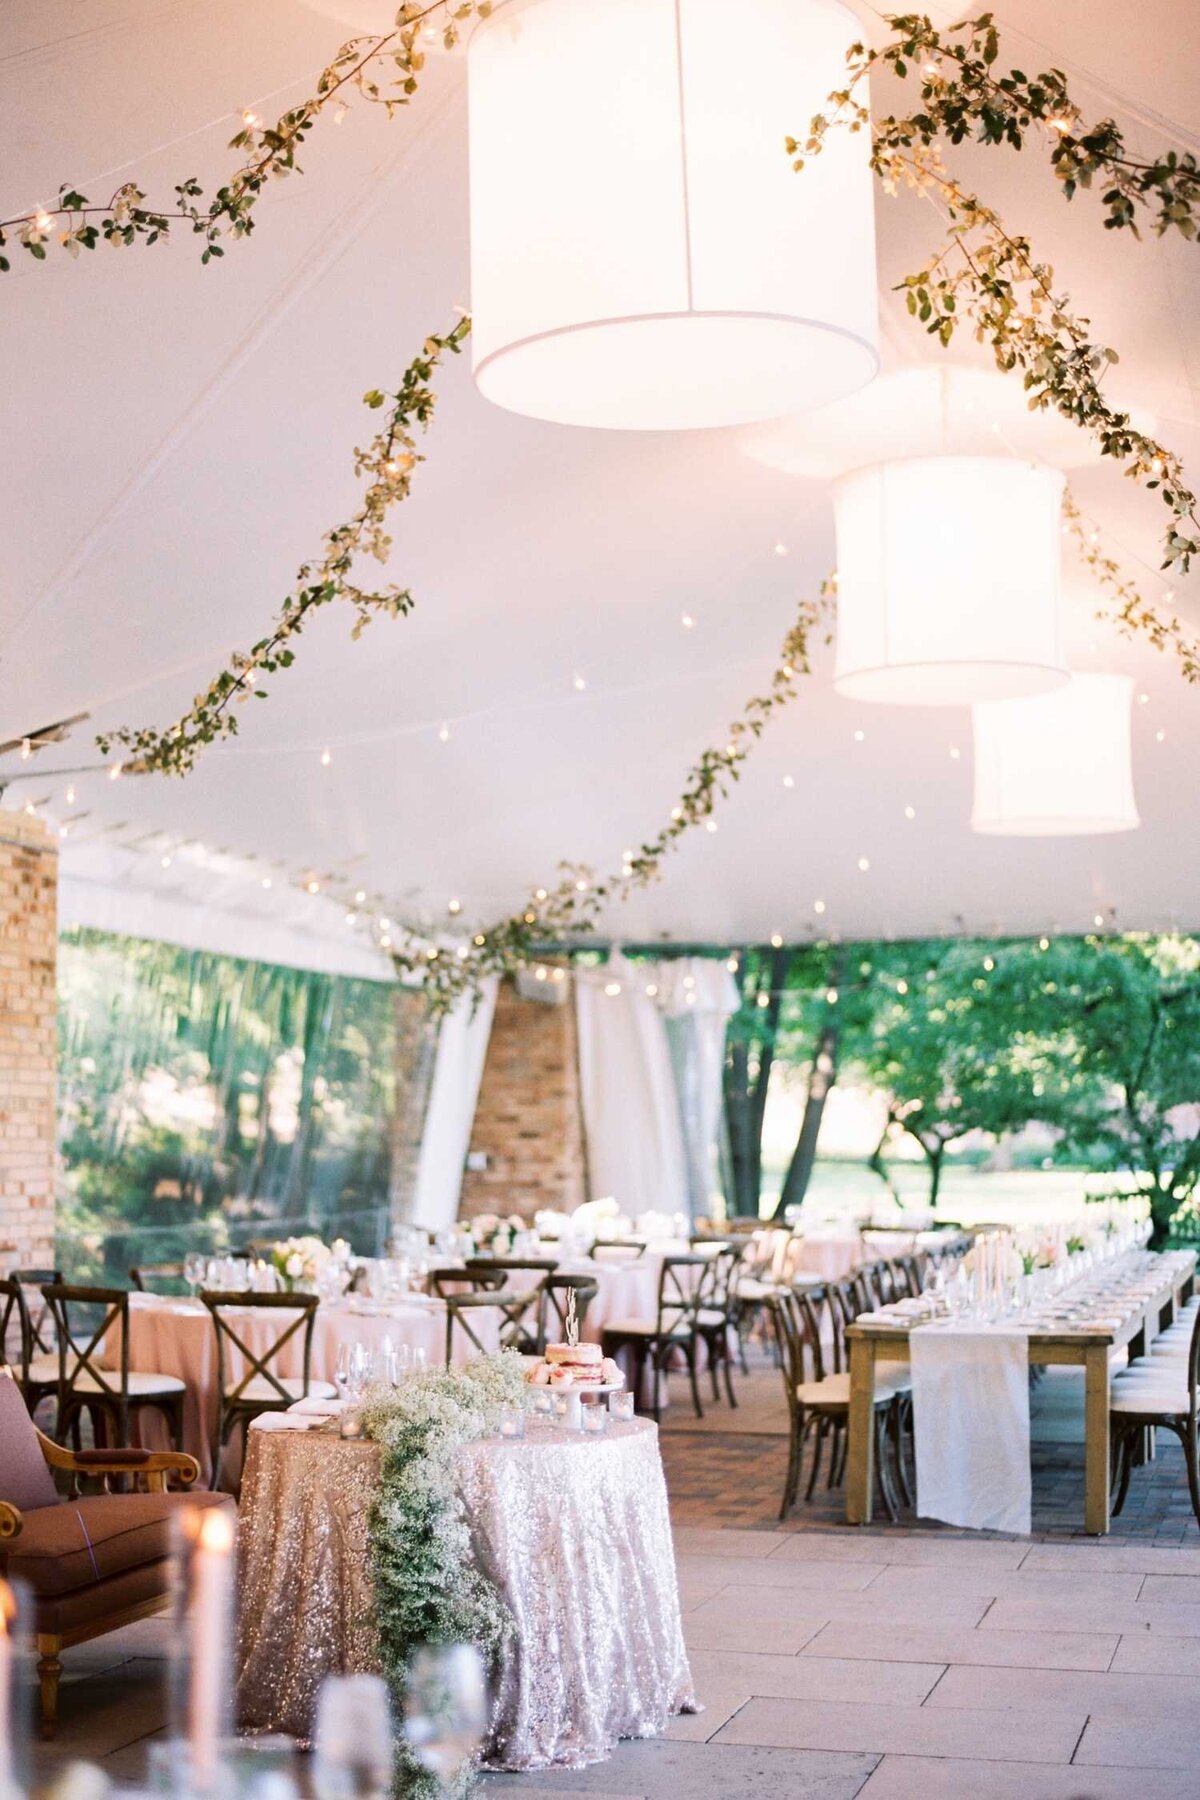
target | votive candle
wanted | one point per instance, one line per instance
(211, 1647)
(8, 1617)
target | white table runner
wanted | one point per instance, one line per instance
(970, 1389)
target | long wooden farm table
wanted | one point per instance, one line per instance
(1086, 1347)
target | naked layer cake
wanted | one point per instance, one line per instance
(574, 1365)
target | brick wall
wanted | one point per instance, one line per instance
(528, 1120)
(28, 944)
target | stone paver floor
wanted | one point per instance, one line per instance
(893, 1663)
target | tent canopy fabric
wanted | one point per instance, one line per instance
(181, 437)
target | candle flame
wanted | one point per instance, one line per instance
(216, 1531)
(8, 1608)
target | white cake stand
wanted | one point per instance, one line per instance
(572, 1419)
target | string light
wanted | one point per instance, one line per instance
(831, 996)
(326, 758)
(385, 942)
(559, 975)
(444, 734)
(386, 925)
(42, 220)
(266, 881)
(26, 749)
(902, 986)
(677, 813)
(818, 906)
(859, 736)
(312, 887)
(63, 830)
(612, 989)
(764, 999)
(1043, 943)
(710, 825)
(781, 550)
(462, 953)
(687, 621)
(1061, 125)
(479, 940)
(31, 809)
(541, 894)
(864, 864)
(114, 774)
(165, 862)
(352, 918)
(732, 965)
(455, 906)
(651, 989)
(989, 963)
(776, 941)
(1098, 919)
(910, 812)
(1160, 736)
(360, 897)
(251, 120)
(955, 753)
(541, 973)
(581, 886)
(932, 70)
(69, 796)
(579, 684)
(789, 781)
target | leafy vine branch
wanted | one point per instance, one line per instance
(389, 461)
(75, 224)
(575, 905)
(1125, 607)
(984, 274)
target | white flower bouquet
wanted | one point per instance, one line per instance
(299, 1260)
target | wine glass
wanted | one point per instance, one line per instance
(194, 1265)
(420, 1359)
(353, 1748)
(445, 1708)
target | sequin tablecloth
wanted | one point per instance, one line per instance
(573, 1530)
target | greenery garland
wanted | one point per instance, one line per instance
(76, 225)
(427, 1587)
(576, 902)
(389, 461)
(985, 274)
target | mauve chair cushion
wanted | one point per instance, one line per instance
(79, 1542)
(25, 1479)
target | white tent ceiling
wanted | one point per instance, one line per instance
(176, 440)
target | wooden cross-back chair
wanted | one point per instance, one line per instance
(686, 1285)
(521, 1332)
(717, 1321)
(466, 1312)
(260, 1388)
(154, 1273)
(618, 1249)
(89, 1381)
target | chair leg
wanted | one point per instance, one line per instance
(1190, 1451)
(795, 1443)
(49, 1670)
(728, 1362)
(693, 1375)
(714, 1370)
(818, 1452)
(1125, 1459)
(897, 1423)
(883, 1472)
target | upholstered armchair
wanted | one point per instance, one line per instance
(92, 1563)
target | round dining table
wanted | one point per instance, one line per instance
(572, 1529)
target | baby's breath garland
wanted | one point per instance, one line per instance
(389, 461)
(428, 1588)
(985, 274)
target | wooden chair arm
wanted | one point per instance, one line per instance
(10, 1521)
(155, 1465)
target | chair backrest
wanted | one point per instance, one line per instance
(728, 1265)
(446, 1283)
(16, 1329)
(799, 1330)
(41, 1321)
(148, 1278)
(486, 1265)
(25, 1480)
(686, 1284)
(299, 1314)
(552, 1315)
(618, 1249)
(84, 1317)
(466, 1311)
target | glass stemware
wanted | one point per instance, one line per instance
(353, 1747)
(445, 1708)
(194, 1265)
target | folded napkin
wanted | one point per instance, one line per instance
(285, 1421)
(970, 1391)
(316, 1406)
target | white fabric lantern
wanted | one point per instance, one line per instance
(642, 253)
(948, 580)
(1059, 765)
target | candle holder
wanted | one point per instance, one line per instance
(620, 1406)
(542, 1403)
(350, 1424)
(16, 1619)
(512, 1422)
(595, 1420)
(201, 1674)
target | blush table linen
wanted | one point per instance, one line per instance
(177, 1337)
(573, 1530)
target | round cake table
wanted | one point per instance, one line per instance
(572, 1529)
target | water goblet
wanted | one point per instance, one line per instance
(353, 1748)
(445, 1708)
(194, 1265)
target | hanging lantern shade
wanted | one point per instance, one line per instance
(643, 256)
(948, 581)
(1059, 765)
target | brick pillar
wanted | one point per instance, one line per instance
(28, 1045)
(414, 1056)
(528, 1121)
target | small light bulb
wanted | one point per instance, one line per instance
(955, 753)
(581, 886)
(114, 774)
(385, 924)
(831, 996)
(732, 965)
(312, 887)
(165, 862)
(540, 894)
(455, 906)
(63, 830)
(859, 736)
(710, 825)
(818, 906)
(687, 621)
(251, 120)
(789, 781)
(385, 942)
(26, 749)
(764, 999)
(989, 963)
(1098, 918)
(42, 220)
(781, 550)
(1143, 699)
(352, 918)
(559, 975)
(360, 897)
(579, 684)
(902, 987)
(1043, 943)
(69, 796)
(910, 812)
(651, 990)
(1061, 125)
(677, 813)
(444, 734)
(612, 989)
(542, 973)
(326, 758)
(266, 881)
(932, 69)
(689, 981)
(776, 941)
(479, 940)
(863, 864)
(1160, 736)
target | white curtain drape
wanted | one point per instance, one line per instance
(630, 1110)
(697, 995)
(454, 1091)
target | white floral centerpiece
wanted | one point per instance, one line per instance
(299, 1260)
